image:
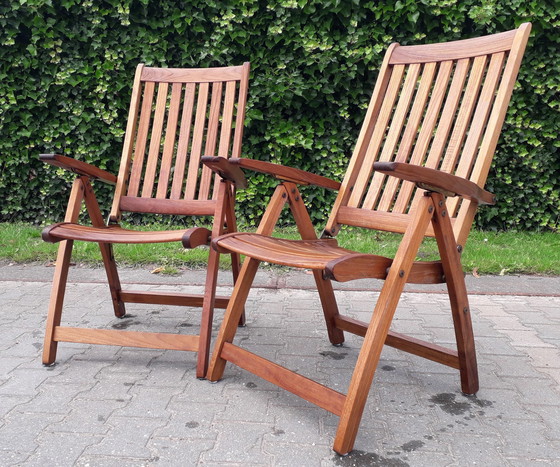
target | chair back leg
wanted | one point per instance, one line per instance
(460, 310)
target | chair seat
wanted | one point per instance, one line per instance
(109, 234)
(309, 254)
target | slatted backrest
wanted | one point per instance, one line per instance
(176, 116)
(440, 106)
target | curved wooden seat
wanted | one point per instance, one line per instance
(323, 254)
(110, 234)
(308, 254)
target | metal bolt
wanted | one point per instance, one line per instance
(297, 198)
(465, 310)
(460, 248)
(431, 209)
(443, 213)
(284, 195)
(333, 230)
(440, 203)
(401, 273)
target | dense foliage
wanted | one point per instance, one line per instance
(66, 68)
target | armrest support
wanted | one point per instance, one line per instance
(436, 180)
(283, 172)
(78, 167)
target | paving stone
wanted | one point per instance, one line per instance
(20, 430)
(239, 443)
(60, 449)
(127, 438)
(88, 417)
(177, 451)
(113, 406)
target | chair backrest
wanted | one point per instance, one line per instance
(176, 116)
(437, 105)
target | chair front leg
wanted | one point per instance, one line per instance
(378, 328)
(231, 318)
(60, 277)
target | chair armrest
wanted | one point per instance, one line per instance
(436, 180)
(225, 169)
(281, 172)
(78, 167)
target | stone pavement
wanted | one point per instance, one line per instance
(111, 406)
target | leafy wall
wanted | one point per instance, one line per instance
(66, 69)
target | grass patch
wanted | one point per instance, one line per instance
(485, 252)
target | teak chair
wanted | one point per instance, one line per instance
(175, 116)
(421, 160)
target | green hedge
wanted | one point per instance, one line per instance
(66, 68)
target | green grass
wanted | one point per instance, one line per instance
(485, 252)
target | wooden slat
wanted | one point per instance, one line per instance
(479, 120)
(391, 141)
(149, 340)
(360, 149)
(211, 139)
(169, 144)
(310, 390)
(198, 135)
(409, 136)
(189, 75)
(184, 140)
(379, 220)
(426, 131)
(240, 117)
(374, 144)
(169, 298)
(168, 206)
(464, 115)
(141, 140)
(455, 50)
(495, 122)
(155, 141)
(227, 120)
(448, 114)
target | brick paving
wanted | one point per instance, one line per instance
(112, 406)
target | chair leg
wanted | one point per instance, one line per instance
(231, 318)
(112, 279)
(455, 279)
(56, 300)
(235, 269)
(324, 286)
(378, 328)
(205, 333)
(364, 371)
(330, 308)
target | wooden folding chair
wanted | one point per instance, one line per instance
(175, 116)
(418, 169)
